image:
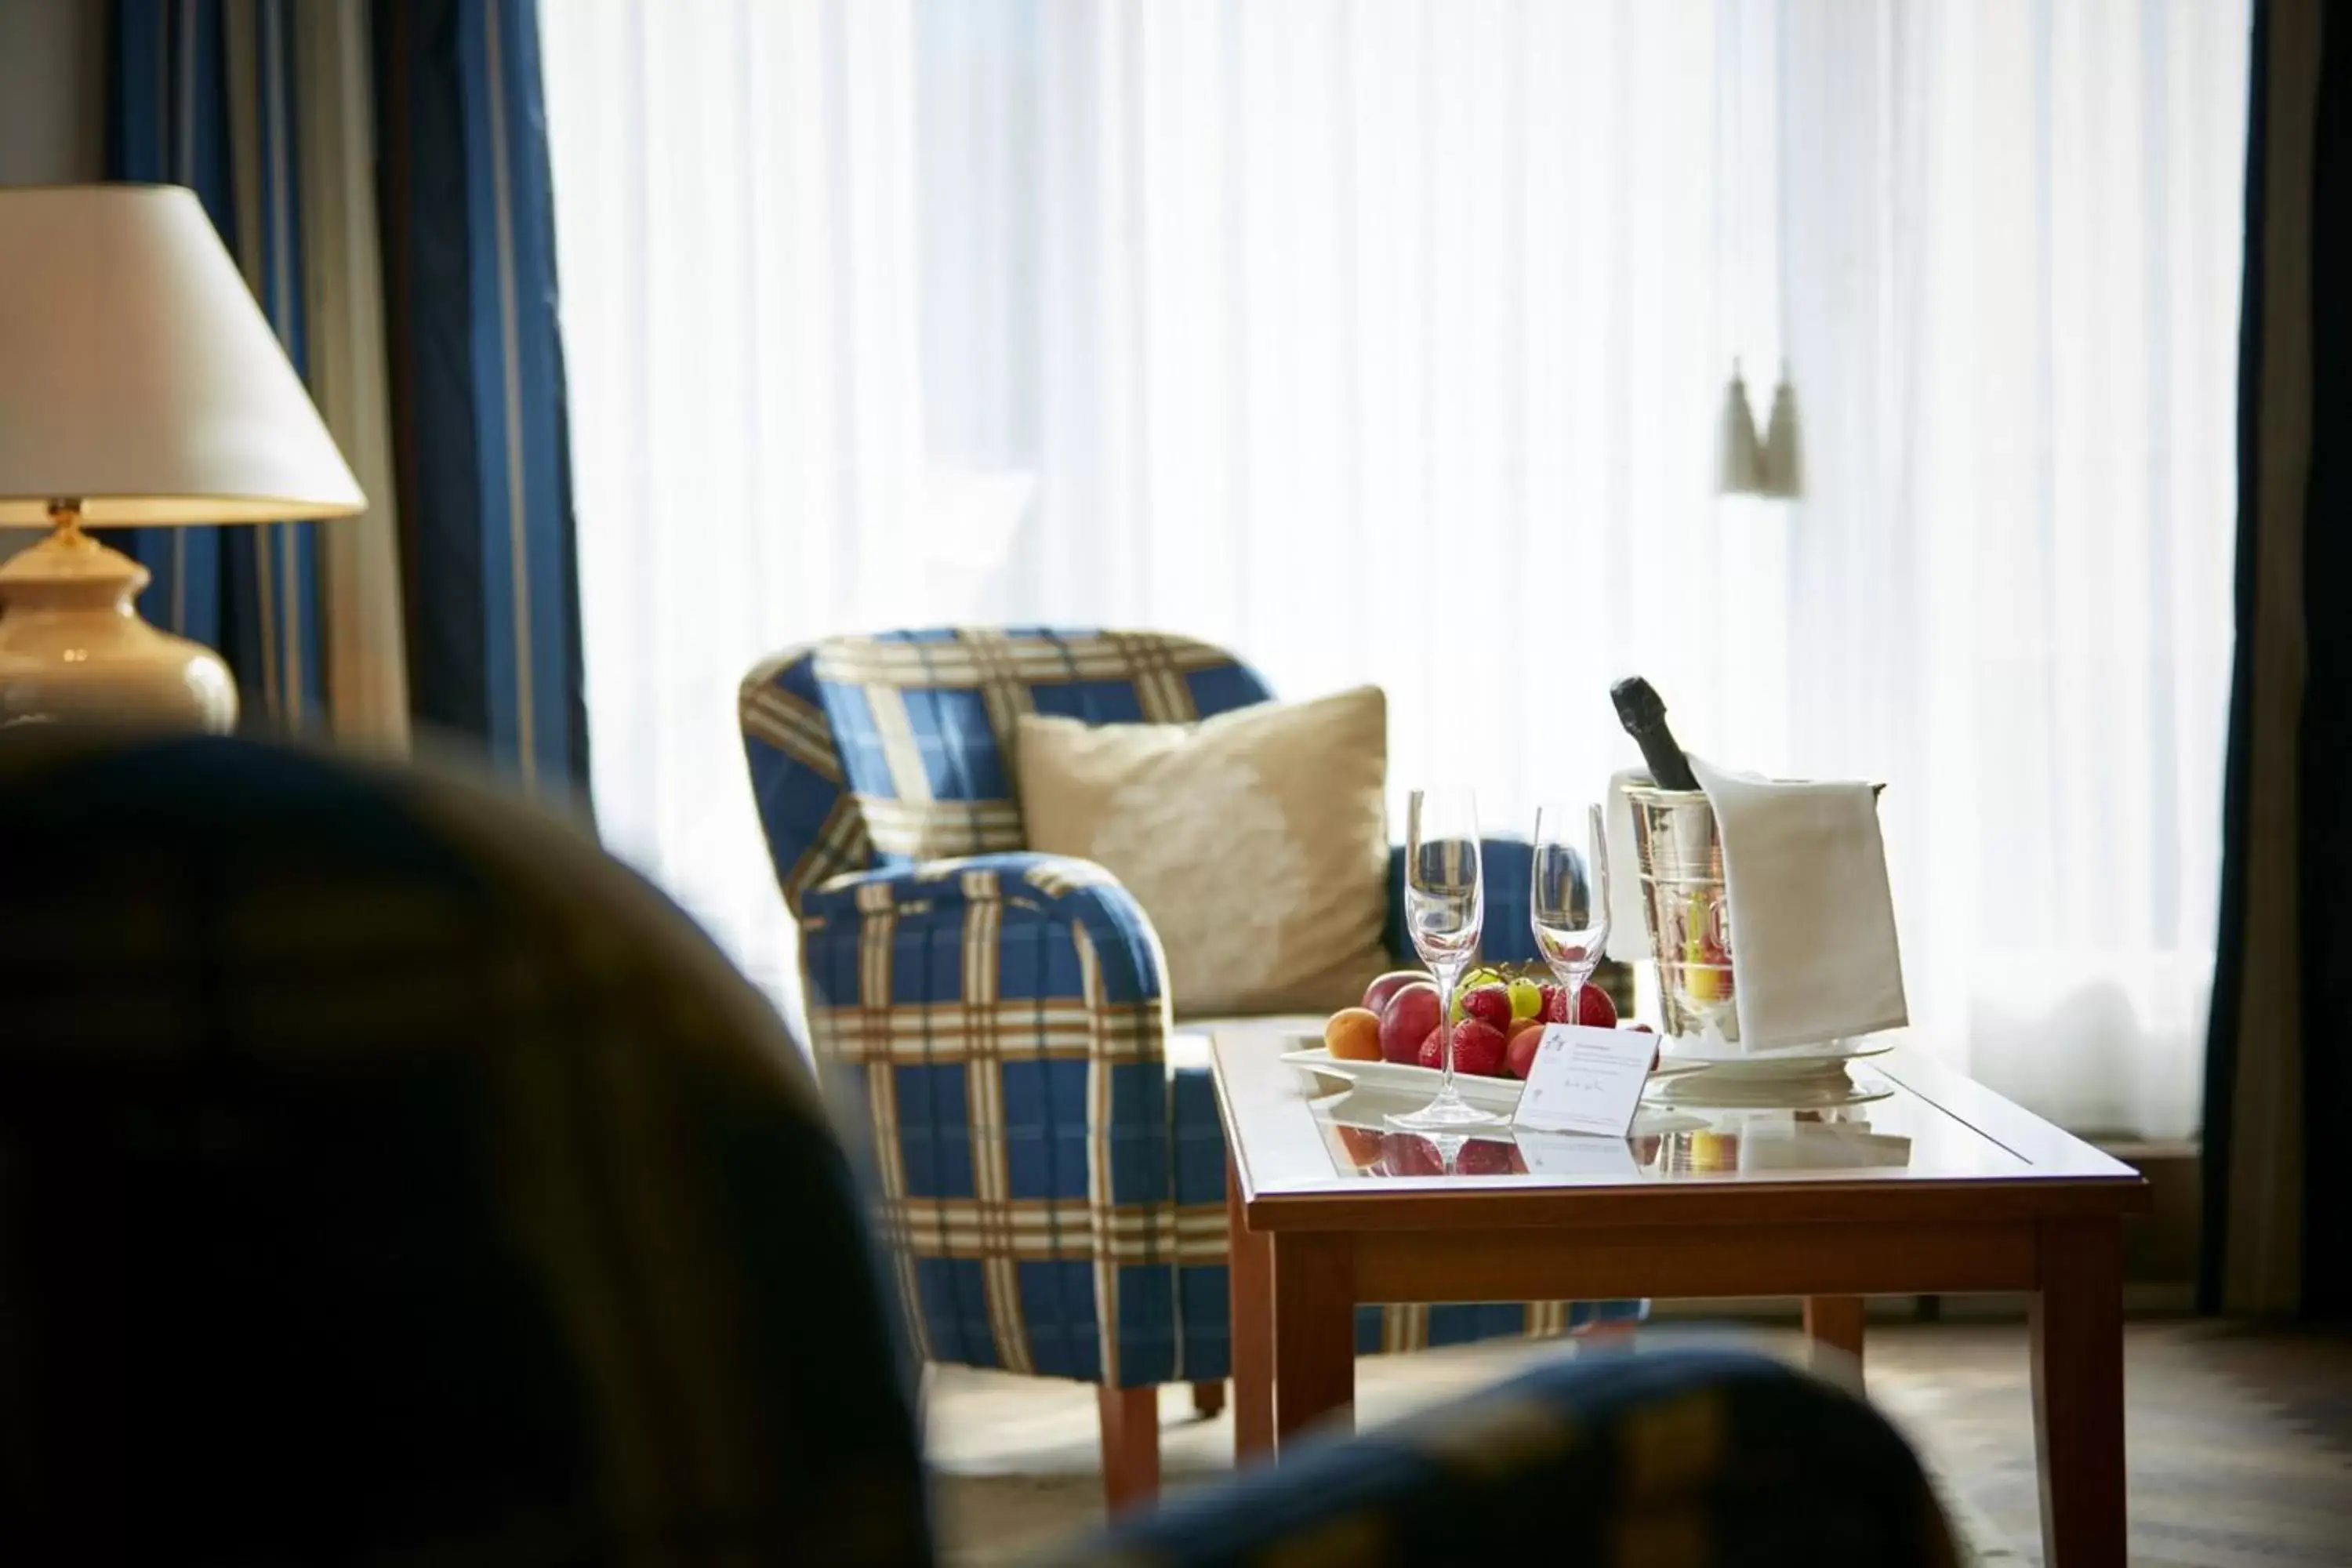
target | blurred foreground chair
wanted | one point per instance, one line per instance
(387, 1175)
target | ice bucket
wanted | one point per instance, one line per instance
(1680, 862)
(1679, 859)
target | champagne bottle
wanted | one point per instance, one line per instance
(1644, 713)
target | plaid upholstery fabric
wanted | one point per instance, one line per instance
(924, 721)
(812, 824)
(1700, 1458)
(391, 1176)
(1002, 1020)
(1052, 1196)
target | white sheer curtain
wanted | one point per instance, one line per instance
(1385, 339)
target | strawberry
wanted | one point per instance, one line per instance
(1592, 1004)
(1479, 1047)
(1489, 1004)
(1487, 1157)
(1432, 1049)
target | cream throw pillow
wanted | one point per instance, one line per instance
(1256, 841)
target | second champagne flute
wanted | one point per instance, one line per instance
(1446, 908)
(1567, 904)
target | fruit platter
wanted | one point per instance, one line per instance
(1395, 1040)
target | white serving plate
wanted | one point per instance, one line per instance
(1722, 1059)
(1400, 1078)
(1406, 1082)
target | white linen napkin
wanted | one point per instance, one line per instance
(1629, 929)
(1812, 921)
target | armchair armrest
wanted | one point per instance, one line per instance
(1507, 863)
(1714, 1456)
(1000, 1024)
(1030, 896)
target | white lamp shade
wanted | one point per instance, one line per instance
(139, 378)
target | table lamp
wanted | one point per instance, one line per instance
(139, 387)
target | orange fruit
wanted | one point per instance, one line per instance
(1353, 1034)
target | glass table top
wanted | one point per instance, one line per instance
(1897, 1119)
(1886, 1131)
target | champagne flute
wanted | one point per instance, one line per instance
(1446, 908)
(1568, 903)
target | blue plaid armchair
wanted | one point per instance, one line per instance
(1052, 1195)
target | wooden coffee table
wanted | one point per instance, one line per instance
(1939, 1187)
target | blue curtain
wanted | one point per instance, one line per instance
(478, 431)
(2294, 491)
(2324, 817)
(250, 592)
(203, 94)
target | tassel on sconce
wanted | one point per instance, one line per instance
(1782, 463)
(1739, 459)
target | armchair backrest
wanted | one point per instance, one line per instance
(895, 748)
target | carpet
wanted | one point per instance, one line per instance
(2240, 1441)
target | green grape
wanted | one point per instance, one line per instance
(1526, 998)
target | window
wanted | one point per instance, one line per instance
(1386, 340)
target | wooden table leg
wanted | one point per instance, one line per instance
(1249, 1270)
(1313, 1332)
(2078, 1393)
(1130, 1445)
(1834, 1325)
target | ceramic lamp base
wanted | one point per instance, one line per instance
(73, 649)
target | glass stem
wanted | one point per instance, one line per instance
(1447, 979)
(1575, 999)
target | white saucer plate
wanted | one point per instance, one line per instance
(1735, 1091)
(1722, 1060)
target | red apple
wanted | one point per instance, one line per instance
(1407, 1019)
(1479, 1048)
(1377, 995)
(1410, 1154)
(1519, 1056)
